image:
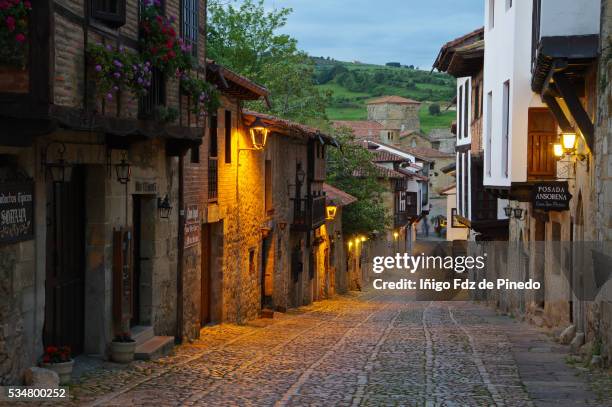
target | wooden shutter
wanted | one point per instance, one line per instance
(541, 162)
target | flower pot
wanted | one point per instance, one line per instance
(63, 370)
(123, 352)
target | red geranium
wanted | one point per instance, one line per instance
(54, 354)
(13, 31)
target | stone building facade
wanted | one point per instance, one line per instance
(395, 113)
(62, 283)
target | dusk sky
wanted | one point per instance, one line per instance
(379, 31)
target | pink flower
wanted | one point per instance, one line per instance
(20, 38)
(27, 4)
(10, 23)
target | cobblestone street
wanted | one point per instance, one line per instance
(362, 349)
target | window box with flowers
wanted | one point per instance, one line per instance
(60, 361)
(203, 96)
(14, 15)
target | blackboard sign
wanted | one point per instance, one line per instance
(551, 196)
(16, 212)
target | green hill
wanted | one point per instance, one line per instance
(352, 84)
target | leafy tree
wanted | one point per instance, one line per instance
(368, 214)
(245, 38)
(434, 109)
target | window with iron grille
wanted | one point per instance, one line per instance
(110, 12)
(189, 24)
(155, 97)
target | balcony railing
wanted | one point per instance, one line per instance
(213, 179)
(309, 213)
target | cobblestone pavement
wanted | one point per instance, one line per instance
(357, 350)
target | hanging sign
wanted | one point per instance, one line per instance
(16, 212)
(551, 196)
(192, 226)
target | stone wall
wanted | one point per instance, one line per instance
(395, 116)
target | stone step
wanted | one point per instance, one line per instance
(141, 333)
(154, 348)
(267, 313)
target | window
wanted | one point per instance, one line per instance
(466, 187)
(459, 181)
(466, 104)
(488, 144)
(508, 4)
(491, 14)
(268, 187)
(214, 149)
(189, 24)
(110, 12)
(460, 113)
(228, 136)
(506, 127)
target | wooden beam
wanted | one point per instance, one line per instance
(556, 110)
(575, 107)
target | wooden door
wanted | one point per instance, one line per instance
(541, 162)
(65, 265)
(205, 297)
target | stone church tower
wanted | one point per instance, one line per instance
(395, 113)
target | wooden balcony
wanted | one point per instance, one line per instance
(309, 213)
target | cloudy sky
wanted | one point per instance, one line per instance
(379, 31)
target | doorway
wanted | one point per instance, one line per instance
(65, 263)
(267, 272)
(143, 247)
(205, 279)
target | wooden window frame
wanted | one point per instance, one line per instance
(111, 19)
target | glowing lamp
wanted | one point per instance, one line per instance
(259, 134)
(350, 244)
(396, 235)
(558, 150)
(363, 239)
(569, 141)
(331, 210)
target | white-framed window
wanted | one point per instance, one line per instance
(506, 128)
(489, 135)
(508, 4)
(491, 14)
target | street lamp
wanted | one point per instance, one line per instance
(259, 134)
(508, 211)
(59, 170)
(569, 142)
(163, 207)
(518, 213)
(331, 210)
(124, 170)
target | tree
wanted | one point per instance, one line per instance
(434, 109)
(245, 38)
(368, 214)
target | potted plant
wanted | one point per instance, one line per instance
(58, 359)
(122, 348)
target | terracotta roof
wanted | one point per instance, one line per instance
(373, 143)
(382, 156)
(361, 128)
(396, 100)
(337, 196)
(234, 84)
(427, 152)
(382, 172)
(285, 126)
(447, 51)
(413, 174)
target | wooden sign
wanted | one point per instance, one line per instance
(16, 212)
(551, 196)
(192, 226)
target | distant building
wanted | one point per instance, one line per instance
(395, 113)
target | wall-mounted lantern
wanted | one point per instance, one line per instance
(331, 209)
(350, 244)
(300, 175)
(259, 134)
(518, 213)
(60, 170)
(163, 207)
(124, 170)
(396, 235)
(567, 147)
(508, 211)
(363, 239)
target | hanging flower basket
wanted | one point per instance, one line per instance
(117, 70)
(14, 32)
(160, 43)
(204, 96)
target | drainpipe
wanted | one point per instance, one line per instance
(180, 254)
